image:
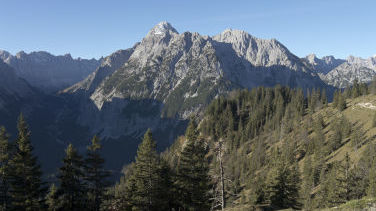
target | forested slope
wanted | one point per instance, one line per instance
(274, 148)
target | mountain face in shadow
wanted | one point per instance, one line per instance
(47, 72)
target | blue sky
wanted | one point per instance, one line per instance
(93, 28)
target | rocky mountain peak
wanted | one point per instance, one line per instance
(352, 59)
(233, 36)
(311, 58)
(4, 55)
(20, 54)
(162, 29)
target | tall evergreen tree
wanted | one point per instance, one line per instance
(5, 156)
(336, 98)
(337, 137)
(341, 102)
(192, 173)
(95, 175)
(373, 86)
(371, 190)
(336, 185)
(324, 99)
(72, 188)
(283, 185)
(307, 184)
(374, 120)
(355, 90)
(52, 200)
(146, 176)
(26, 184)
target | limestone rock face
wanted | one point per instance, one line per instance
(170, 76)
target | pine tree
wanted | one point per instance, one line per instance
(336, 186)
(146, 175)
(357, 183)
(279, 185)
(357, 137)
(371, 190)
(373, 86)
(347, 179)
(282, 184)
(26, 184)
(72, 189)
(337, 137)
(307, 184)
(257, 188)
(125, 189)
(319, 137)
(341, 102)
(95, 175)
(5, 153)
(324, 99)
(321, 198)
(52, 200)
(192, 172)
(355, 91)
(374, 120)
(336, 98)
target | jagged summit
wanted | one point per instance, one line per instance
(234, 34)
(162, 29)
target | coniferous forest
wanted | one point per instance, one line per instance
(260, 149)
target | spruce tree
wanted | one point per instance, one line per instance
(321, 198)
(357, 137)
(5, 156)
(371, 190)
(52, 200)
(72, 188)
(336, 187)
(283, 185)
(374, 120)
(95, 175)
(324, 99)
(336, 98)
(319, 138)
(192, 172)
(146, 177)
(337, 137)
(373, 86)
(341, 102)
(355, 91)
(26, 184)
(307, 184)
(347, 177)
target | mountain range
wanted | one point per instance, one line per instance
(47, 72)
(159, 83)
(342, 72)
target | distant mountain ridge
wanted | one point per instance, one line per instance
(323, 65)
(341, 73)
(47, 72)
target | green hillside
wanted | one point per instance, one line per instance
(326, 150)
